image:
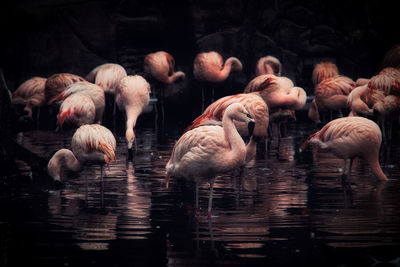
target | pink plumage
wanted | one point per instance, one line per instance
(107, 76)
(77, 110)
(161, 66)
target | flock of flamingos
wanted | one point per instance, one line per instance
(214, 143)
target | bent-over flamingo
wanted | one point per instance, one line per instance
(30, 94)
(76, 110)
(351, 137)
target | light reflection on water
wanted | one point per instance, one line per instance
(284, 203)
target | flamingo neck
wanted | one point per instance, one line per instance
(376, 168)
(175, 76)
(236, 143)
(231, 63)
(63, 157)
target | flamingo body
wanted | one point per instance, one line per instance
(324, 70)
(268, 65)
(160, 65)
(77, 110)
(57, 83)
(107, 76)
(30, 93)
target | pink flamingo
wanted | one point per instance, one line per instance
(348, 138)
(277, 92)
(91, 143)
(268, 65)
(210, 67)
(95, 92)
(204, 152)
(357, 105)
(330, 94)
(323, 71)
(132, 96)
(31, 94)
(77, 110)
(257, 109)
(57, 83)
(161, 66)
(107, 76)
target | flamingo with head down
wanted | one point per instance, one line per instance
(348, 138)
(204, 152)
(90, 144)
(76, 110)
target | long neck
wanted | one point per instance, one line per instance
(376, 167)
(63, 156)
(231, 63)
(237, 145)
(175, 76)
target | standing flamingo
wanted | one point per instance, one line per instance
(30, 94)
(357, 105)
(210, 67)
(91, 143)
(351, 137)
(204, 152)
(268, 65)
(76, 110)
(95, 92)
(161, 67)
(323, 71)
(57, 83)
(132, 96)
(257, 109)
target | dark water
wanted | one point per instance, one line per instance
(284, 209)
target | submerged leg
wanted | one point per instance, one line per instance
(211, 196)
(351, 164)
(197, 212)
(345, 165)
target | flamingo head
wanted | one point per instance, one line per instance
(130, 137)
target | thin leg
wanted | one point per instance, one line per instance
(162, 105)
(345, 165)
(101, 176)
(202, 99)
(197, 200)
(351, 164)
(210, 198)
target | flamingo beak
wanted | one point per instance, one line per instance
(251, 126)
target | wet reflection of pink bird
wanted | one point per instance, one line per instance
(76, 110)
(204, 152)
(351, 137)
(88, 89)
(57, 83)
(132, 96)
(30, 94)
(90, 144)
(210, 67)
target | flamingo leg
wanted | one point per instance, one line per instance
(101, 176)
(197, 212)
(345, 165)
(202, 99)
(351, 164)
(211, 196)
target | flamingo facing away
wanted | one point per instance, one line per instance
(91, 143)
(76, 110)
(210, 67)
(204, 152)
(331, 95)
(57, 83)
(107, 76)
(88, 89)
(30, 94)
(256, 107)
(268, 65)
(161, 66)
(132, 96)
(348, 138)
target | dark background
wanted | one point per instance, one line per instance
(43, 37)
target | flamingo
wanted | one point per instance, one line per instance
(348, 138)
(210, 67)
(330, 94)
(77, 110)
(204, 152)
(324, 70)
(392, 57)
(57, 83)
(91, 143)
(268, 65)
(161, 66)
(357, 105)
(257, 109)
(107, 76)
(31, 94)
(277, 92)
(95, 92)
(132, 96)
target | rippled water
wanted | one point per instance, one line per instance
(285, 208)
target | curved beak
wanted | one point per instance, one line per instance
(251, 126)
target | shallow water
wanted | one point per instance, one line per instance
(285, 208)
